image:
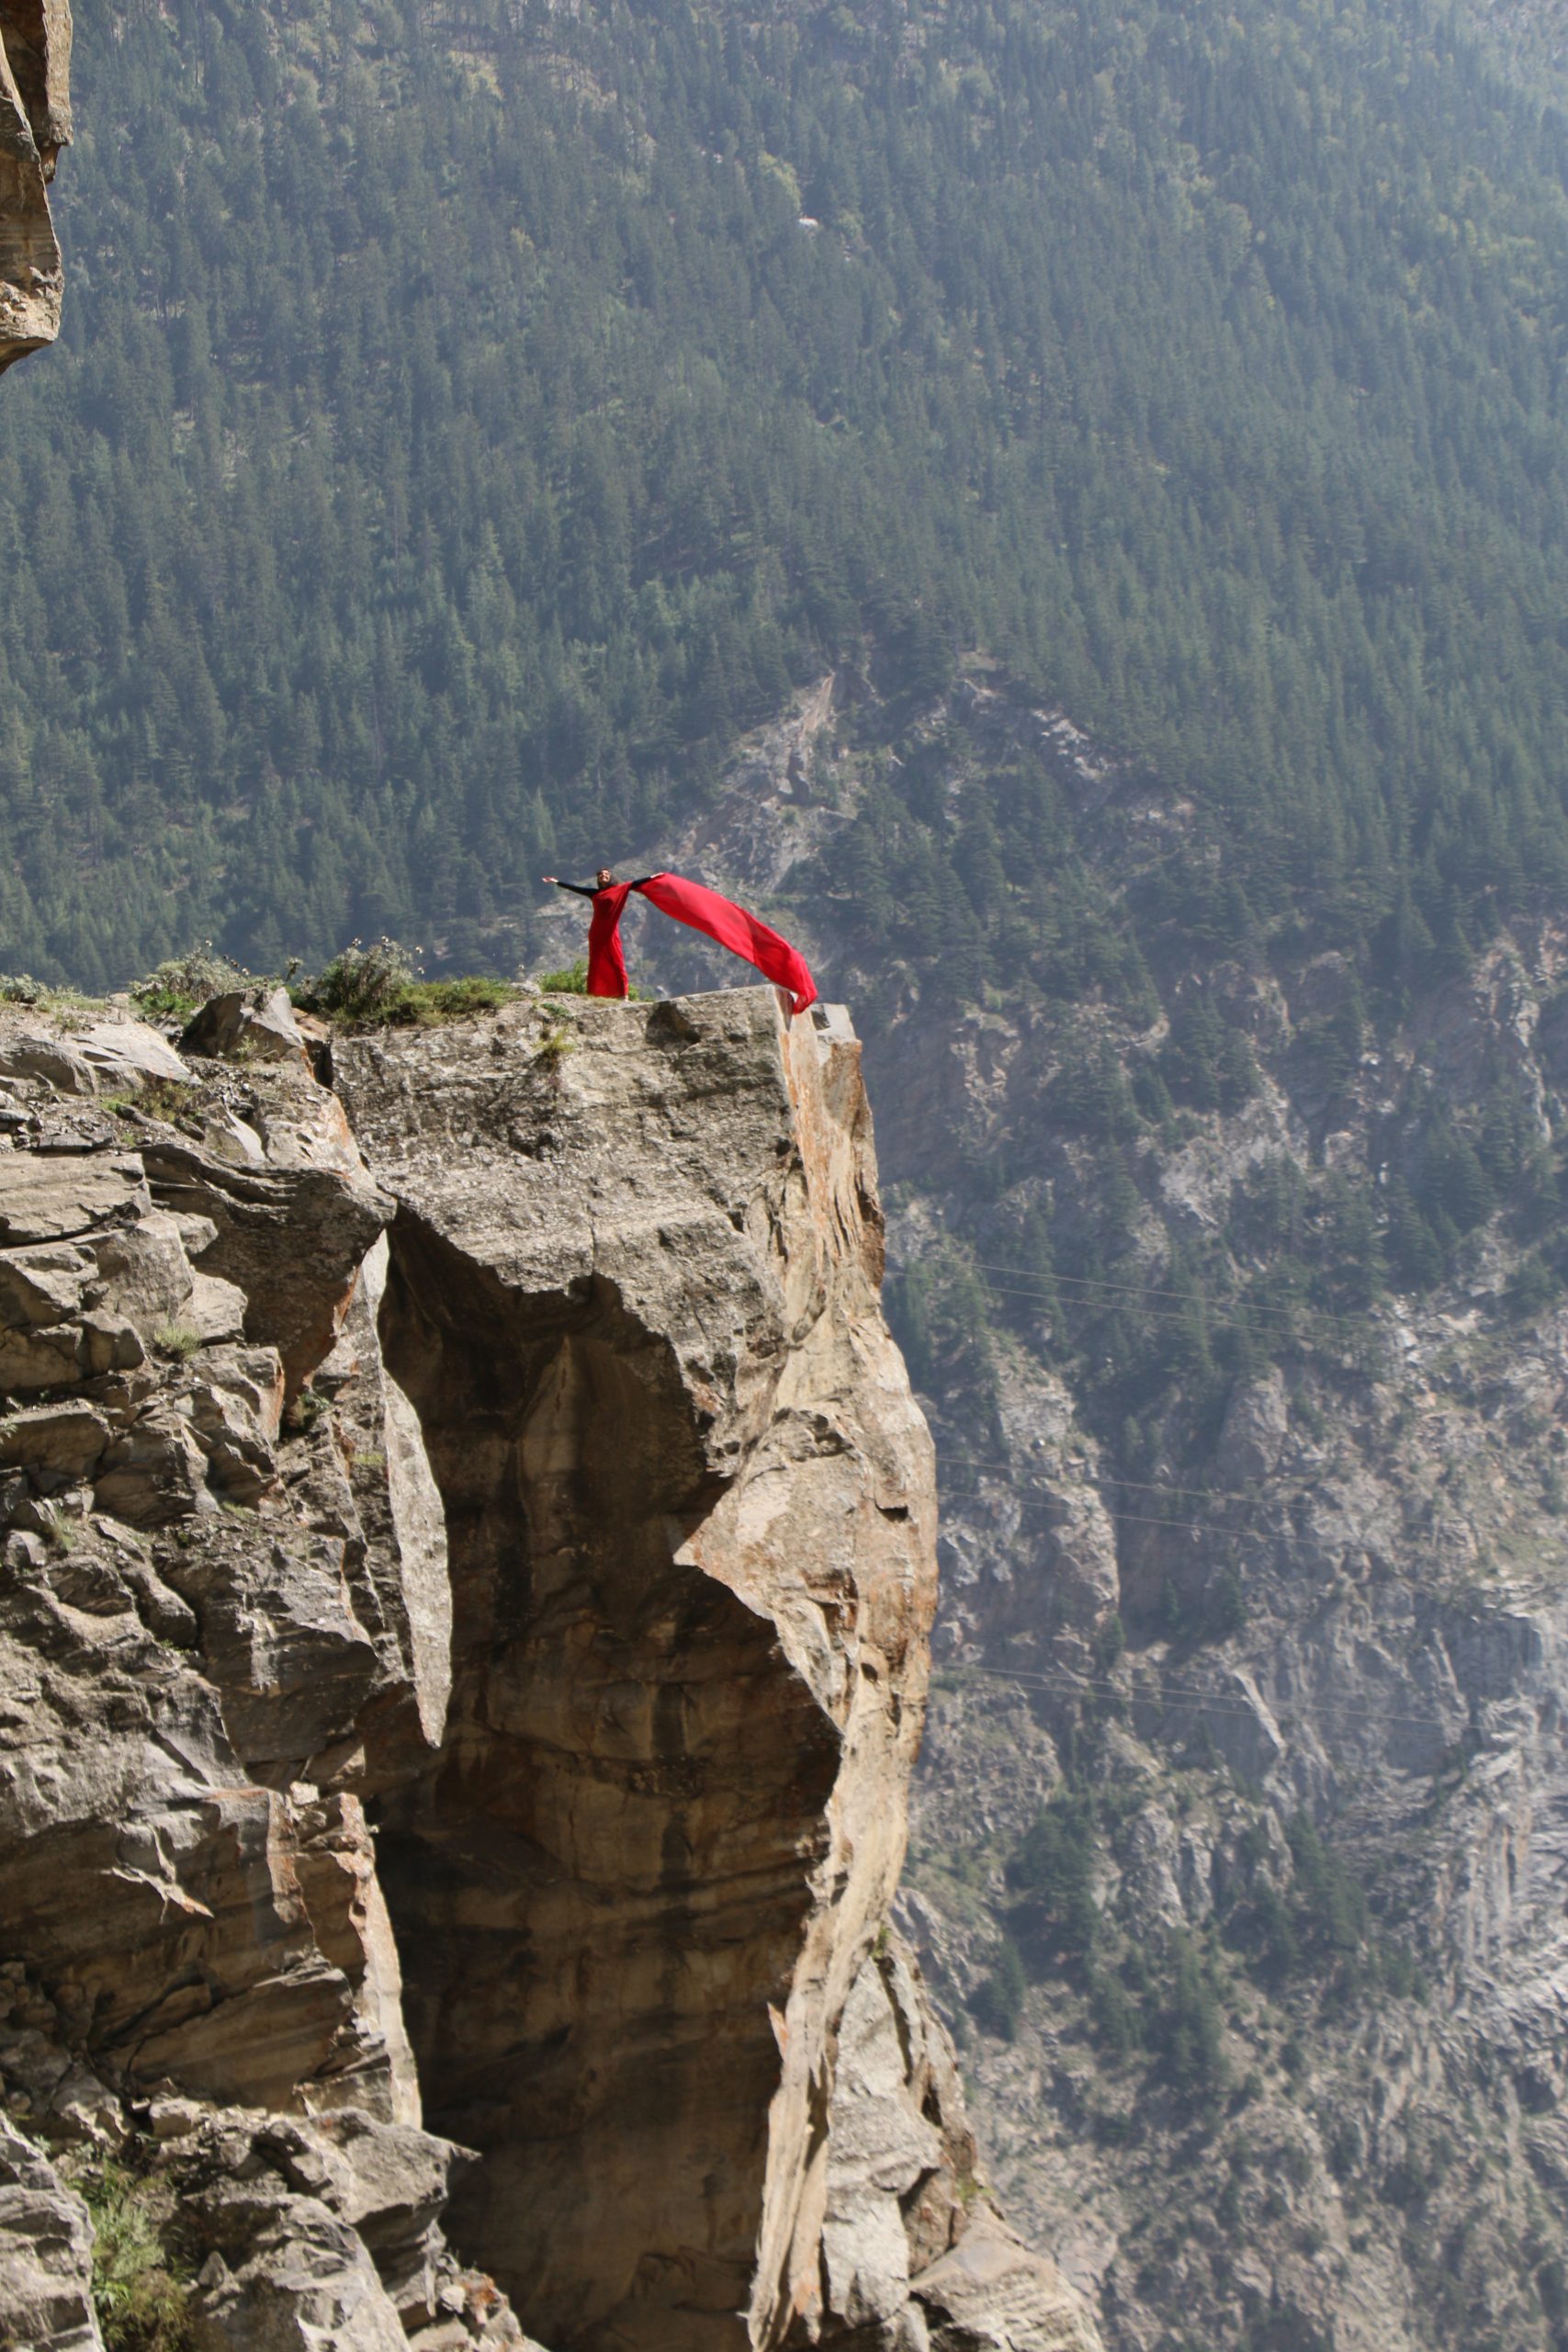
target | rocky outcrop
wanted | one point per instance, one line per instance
(35, 123)
(468, 1562)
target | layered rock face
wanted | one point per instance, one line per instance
(464, 1609)
(35, 123)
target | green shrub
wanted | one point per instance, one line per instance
(1533, 1285)
(997, 2003)
(179, 986)
(1115, 2020)
(177, 1340)
(1053, 1872)
(1091, 1096)
(141, 2287)
(363, 985)
(572, 981)
(1187, 2030)
(378, 988)
(426, 1002)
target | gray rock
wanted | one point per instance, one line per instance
(153, 1472)
(61, 1065)
(128, 1054)
(286, 2276)
(989, 2293)
(46, 2254)
(246, 1025)
(47, 1198)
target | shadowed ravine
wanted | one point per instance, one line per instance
(600, 1882)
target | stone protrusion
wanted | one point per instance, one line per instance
(35, 123)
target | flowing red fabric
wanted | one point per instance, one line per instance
(690, 902)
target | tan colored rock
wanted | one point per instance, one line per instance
(40, 1286)
(991, 2294)
(235, 1410)
(245, 1024)
(372, 2067)
(62, 1066)
(143, 1272)
(66, 1442)
(152, 1473)
(35, 123)
(51, 1358)
(585, 1537)
(36, 35)
(286, 2274)
(688, 1503)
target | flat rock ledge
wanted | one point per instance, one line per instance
(466, 1558)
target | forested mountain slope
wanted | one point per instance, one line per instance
(1067, 503)
(472, 414)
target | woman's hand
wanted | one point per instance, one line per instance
(548, 878)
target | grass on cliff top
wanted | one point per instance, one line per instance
(426, 1004)
(379, 988)
(572, 980)
(21, 993)
(376, 987)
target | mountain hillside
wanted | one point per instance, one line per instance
(470, 417)
(1067, 504)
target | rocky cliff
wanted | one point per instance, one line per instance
(1235, 1298)
(467, 1571)
(35, 124)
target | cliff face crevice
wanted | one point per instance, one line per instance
(602, 1877)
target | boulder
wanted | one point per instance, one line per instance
(990, 2293)
(58, 1064)
(128, 1054)
(285, 2274)
(247, 1024)
(143, 1272)
(65, 1442)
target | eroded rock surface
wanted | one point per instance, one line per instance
(465, 1580)
(35, 123)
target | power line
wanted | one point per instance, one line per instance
(1103, 1282)
(1282, 1316)
(1002, 1470)
(1134, 1519)
(1081, 1686)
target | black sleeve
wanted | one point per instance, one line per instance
(578, 889)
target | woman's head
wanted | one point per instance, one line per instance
(604, 879)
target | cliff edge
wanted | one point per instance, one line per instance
(468, 1564)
